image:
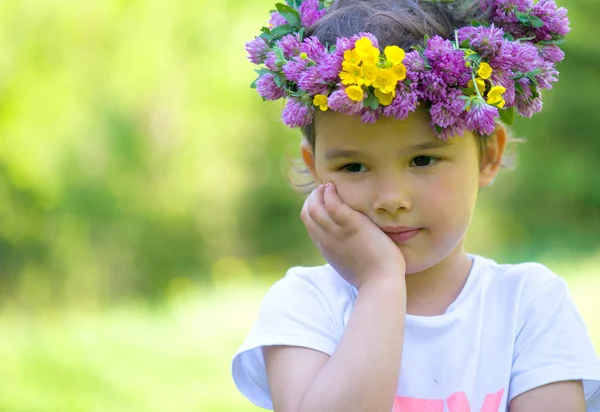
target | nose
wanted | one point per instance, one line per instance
(392, 195)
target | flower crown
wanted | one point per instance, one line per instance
(489, 70)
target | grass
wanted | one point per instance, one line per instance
(134, 359)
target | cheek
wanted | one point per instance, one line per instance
(453, 197)
(352, 193)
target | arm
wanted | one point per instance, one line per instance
(363, 372)
(361, 375)
(555, 397)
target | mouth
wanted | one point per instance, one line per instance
(401, 234)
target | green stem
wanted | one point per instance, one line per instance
(475, 86)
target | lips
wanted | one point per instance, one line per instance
(401, 234)
(398, 229)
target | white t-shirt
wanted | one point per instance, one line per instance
(511, 329)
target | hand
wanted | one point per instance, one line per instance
(352, 244)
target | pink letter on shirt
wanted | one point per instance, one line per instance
(458, 402)
(402, 404)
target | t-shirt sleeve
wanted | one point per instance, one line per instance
(553, 345)
(296, 311)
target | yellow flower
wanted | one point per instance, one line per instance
(385, 98)
(320, 100)
(352, 57)
(368, 53)
(400, 71)
(355, 93)
(369, 74)
(394, 54)
(352, 74)
(386, 81)
(480, 85)
(485, 71)
(495, 96)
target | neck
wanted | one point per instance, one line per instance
(430, 292)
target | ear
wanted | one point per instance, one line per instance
(308, 156)
(492, 156)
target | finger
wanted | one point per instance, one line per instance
(315, 232)
(339, 212)
(316, 208)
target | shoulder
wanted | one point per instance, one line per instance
(319, 282)
(525, 282)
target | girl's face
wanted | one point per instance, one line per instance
(400, 174)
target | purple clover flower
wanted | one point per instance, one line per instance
(270, 62)
(457, 129)
(524, 56)
(310, 13)
(447, 62)
(445, 113)
(487, 41)
(529, 106)
(257, 50)
(340, 102)
(313, 48)
(268, 89)
(503, 11)
(481, 118)
(277, 20)
(552, 53)
(415, 66)
(296, 113)
(294, 69)
(330, 66)
(405, 102)
(368, 115)
(290, 44)
(555, 20)
(311, 81)
(433, 87)
(548, 75)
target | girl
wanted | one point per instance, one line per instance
(400, 142)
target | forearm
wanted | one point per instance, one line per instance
(362, 374)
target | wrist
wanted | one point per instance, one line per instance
(387, 280)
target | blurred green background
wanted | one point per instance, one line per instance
(144, 210)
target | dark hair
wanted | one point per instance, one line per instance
(404, 23)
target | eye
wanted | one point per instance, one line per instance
(424, 161)
(353, 168)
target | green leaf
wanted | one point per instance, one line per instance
(522, 17)
(535, 21)
(278, 81)
(507, 115)
(438, 129)
(508, 36)
(290, 14)
(266, 37)
(475, 23)
(262, 71)
(281, 31)
(280, 57)
(371, 102)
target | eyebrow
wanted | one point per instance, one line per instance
(434, 144)
(334, 154)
